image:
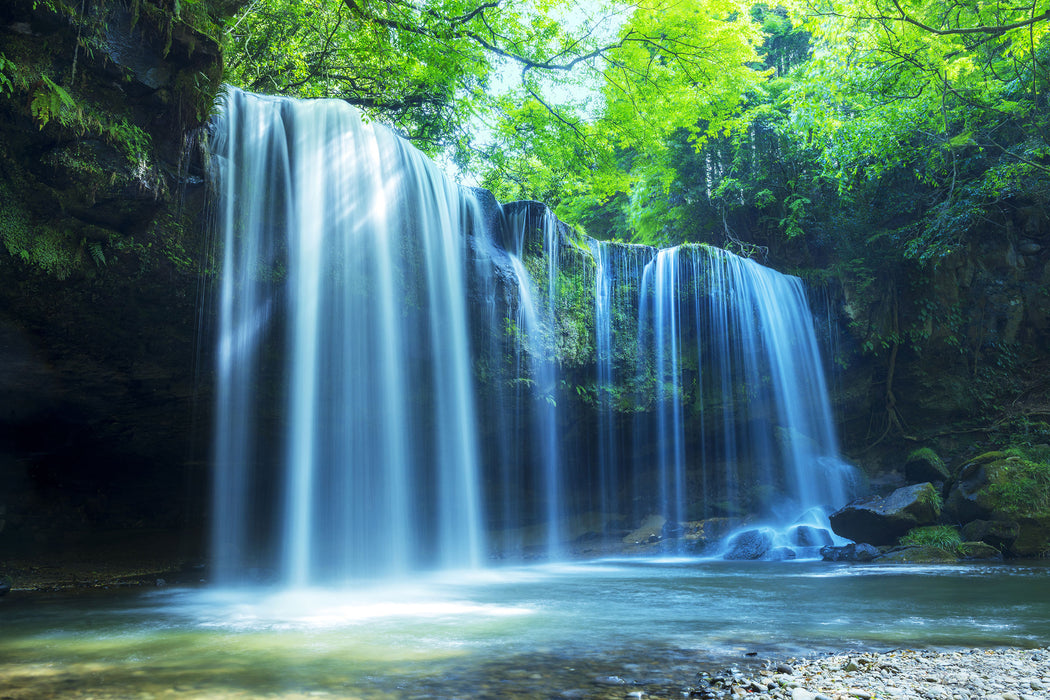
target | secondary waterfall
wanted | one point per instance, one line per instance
(735, 352)
(409, 376)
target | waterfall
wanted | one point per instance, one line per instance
(617, 286)
(535, 321)
(747, 398)
(410, 376)
(345, 439)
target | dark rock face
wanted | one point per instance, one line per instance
(880, 521)
(851, 552)
(101, 246)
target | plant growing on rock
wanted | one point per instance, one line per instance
(943, 537)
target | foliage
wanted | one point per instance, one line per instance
(930, 496)
(943, 537)
(558, 91)
(7, 68)
(51, 249)
(51, 101)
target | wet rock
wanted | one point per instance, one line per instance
(881, 521)
(609, 680)
(672, 530)
(919, 555)
(780, 554)
(786, 669)
(1033, 537)
(858, 552)
(749, 545)
(703, 534)
(809, 536)
(979, 551)
(997, 533)
(648, 531)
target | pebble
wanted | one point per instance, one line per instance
(904, 674)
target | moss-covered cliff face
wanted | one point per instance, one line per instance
(100, 254)
(953, 355)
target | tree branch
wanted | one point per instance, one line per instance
(988, 29)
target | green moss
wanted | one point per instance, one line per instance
(56, 250)
(942, 537)
(926, 454)
(930, 496)
(1019, 487)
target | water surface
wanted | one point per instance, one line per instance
(590, 629)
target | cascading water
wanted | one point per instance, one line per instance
(393, 385)
(537, 324)
(345, 427)
(748, 398)
(617, 286)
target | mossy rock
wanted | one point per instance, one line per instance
(880, 521)
(978, 551)
(919, 555)
(925, 465)
(1000, 486)
(998, 533)
(1033, 537)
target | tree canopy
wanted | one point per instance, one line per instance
(665, 120)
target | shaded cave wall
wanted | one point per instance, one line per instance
(101, 268)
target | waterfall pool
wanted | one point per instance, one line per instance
(589, 629)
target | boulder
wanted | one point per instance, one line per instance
(979, 551)
(809, 536)
(1033, 537)
(998, 533)
(880, 521)
(749, 545)
(924, 465)
(850, 552)
(964, 502)
(780, 554)
(702, 534)
(919, 555)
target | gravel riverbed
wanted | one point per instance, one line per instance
(974, 674)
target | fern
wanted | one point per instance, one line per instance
(95, 250)
(7, 86)
(51, 101)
